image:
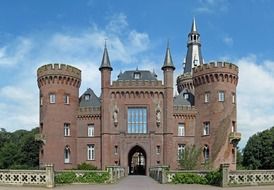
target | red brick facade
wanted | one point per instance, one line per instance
(111, 143)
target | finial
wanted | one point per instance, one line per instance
(137, 68)
(168, 43)
(193, 28)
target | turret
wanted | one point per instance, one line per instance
(106, 124)
(59, 91)
(215, 98)
(168, 69)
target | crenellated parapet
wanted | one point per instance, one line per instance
(89, 113)
(184, 112)
(215, 72)
(58, 74)
(184, 81)
(137, 83)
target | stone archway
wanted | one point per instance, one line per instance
(137, 161)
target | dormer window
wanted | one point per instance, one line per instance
(87, 97)
(137, 75)
(186, 96)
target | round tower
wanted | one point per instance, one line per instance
(59, 100)
(215, 99)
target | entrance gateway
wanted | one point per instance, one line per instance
(137, 161)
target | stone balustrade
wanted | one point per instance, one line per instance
(116, 173)
(28, 177)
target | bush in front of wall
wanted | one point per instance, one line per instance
(188, 178)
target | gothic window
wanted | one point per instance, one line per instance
(181, 150)
(52, 98)
(206, 97)
(221, 96)
(67, 155)
(137, 120)
(66, 129)
(66, 99)
(90, 152)
(90, 130)
(206, 153)
(206, 128)
(181, 129)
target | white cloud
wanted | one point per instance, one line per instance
(228, 41)
(83, 49)
(212, 6)
(255, 96)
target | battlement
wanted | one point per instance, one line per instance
(133, 83)
(58, 69)
(216, 64)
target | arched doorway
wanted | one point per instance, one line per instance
(137, 161)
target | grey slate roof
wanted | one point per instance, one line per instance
(180, 100)
(144, 75)
(93, 101)
(105, 60)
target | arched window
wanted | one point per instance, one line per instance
(206, 153)
(67, 155)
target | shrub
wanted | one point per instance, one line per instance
(214, 177)
(188, 178)
(86, 166)
(66, 177)
(93, 177)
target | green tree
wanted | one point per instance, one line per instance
(188, 159)
(259, 151)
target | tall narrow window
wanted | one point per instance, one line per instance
(116, 150)
(90, 152)
(66, 99)
(233, 98)
(137, 120)
(41, 100)
(206, 153)
(67, 155)
(90, 130)
(181, 150)
(233, 127)
(158, 149)
(206, 97)
(66, 129)
(52, 98)
(206, 128)
(221, 96)
(181, 129)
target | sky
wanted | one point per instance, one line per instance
(34, 33)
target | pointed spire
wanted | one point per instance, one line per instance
(168, 59)
(105, 60)
(193, 27)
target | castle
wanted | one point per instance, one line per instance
(137, 122)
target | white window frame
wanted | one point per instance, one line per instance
(206, 128)
(90, 130)
(221, 96)
(90, 152)
(66, 99)
(180, 150)
(137, 75)
(66, 129)
(181, 129)
(67, 154)
(206, 97)
(206, 153)
(87, 97)
(52, 98)
(186, 96)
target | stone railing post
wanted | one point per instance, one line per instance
(225, 174)
(110, 171)
(164, 174)
(49, 176)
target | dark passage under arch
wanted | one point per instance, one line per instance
(137, 161)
